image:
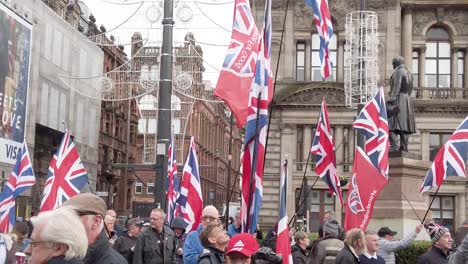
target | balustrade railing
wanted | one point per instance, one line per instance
(441, 93)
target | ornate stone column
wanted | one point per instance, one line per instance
(307, 60)
(339, 148)
(454, 68)
(307, 142)
(422, 67)
(425, 144)
(350, 144)
(407, 36)
(288, 149)
(289, 45)
(465, 72)
(340, 66)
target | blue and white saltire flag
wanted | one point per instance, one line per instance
(255, 131)
(21, 177)
(325, 30)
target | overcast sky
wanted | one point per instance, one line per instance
(211, 24)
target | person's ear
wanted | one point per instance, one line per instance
(59, 250)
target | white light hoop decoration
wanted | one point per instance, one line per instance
(361, 69)
(184, 13)
(153, 14)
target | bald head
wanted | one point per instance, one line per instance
(210, 215)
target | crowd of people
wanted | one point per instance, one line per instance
(83, 231)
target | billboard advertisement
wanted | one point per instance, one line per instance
(15, 52)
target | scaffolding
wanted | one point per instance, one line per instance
(361, 57)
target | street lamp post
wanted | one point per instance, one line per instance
(164, 104)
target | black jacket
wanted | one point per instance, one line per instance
(345, 256)
(434, 255)
(124, 244)
(61, 260)
(101, 252)
(148, 251)
(299, 255)
(211, 255)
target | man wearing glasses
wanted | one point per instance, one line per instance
(193, 247)
(92, 210)
(53, 241)
(156, 244)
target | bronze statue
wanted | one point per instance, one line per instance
(399, 107)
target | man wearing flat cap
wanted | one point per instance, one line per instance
(92, 210)
(388, 246)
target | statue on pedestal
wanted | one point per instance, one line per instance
(399, 107)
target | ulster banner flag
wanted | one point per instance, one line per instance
(366, 184)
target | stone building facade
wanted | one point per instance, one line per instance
(206, 121)
(433, 39)
(58, 49)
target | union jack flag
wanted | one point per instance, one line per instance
(21, 177)
(324, 150)
(172, 189)
(239, 66)
(450, 160)
(325, 30)
(283, 244)
(373, 124)
(190, 200)
(66, 175)
(255, 132)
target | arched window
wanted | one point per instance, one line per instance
(437, 57)
(315, 74)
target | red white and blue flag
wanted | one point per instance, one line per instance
(450, 160)
(235, 79)
(283, 244)
(21, 177)
(325, 31)
(372, 122)
(172, 188)
(190, 200)
(324, 151)
(66, 175)
(366, 184)
(255, 132)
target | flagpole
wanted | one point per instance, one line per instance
(254, 163)
(414, 210)
(429, 208)
(228, 185)
(270, 106)
(303, 201)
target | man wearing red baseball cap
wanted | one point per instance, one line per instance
(240, 248)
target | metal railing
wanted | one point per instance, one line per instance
(343, 167)
(441, 93)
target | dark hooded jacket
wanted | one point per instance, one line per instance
(61, 260)
(299, 255)
(101, 252)
(124, 245)
(180, 223)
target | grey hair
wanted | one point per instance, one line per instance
(63, 226)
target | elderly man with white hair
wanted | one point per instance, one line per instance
(53, 241)
(92, 210)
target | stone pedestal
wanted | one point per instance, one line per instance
(392, 209)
